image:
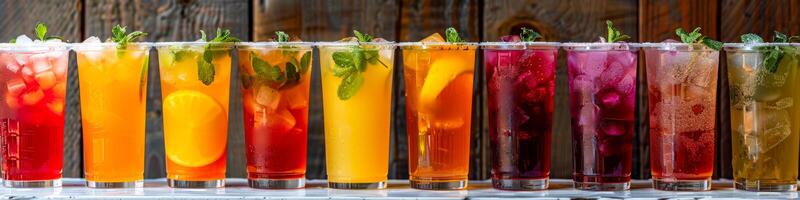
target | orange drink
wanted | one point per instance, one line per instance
(113, 82)
(438, 78)
(195, 84)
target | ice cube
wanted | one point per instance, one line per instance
(27, 73)
(23, 39)
(296, 98)
(46, 79)
(781, 104)
(22, 59)
(609, 99)
(92, 39)
(510, 38)
(53, 41)
(627, 86)
(39, 63)
(702, 73)
(268, 97)
(32, 97)
(590, 63)
(56, 106)
(349, 39)
(281, 121)
(13, 67)
(60, 90)
(386, 55)
(15, 86)
(776, 128)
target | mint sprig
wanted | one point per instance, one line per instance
(614, 35)
(451, 35)
(350, 65)
(205, 66)
(528, 35)
(118, 36)
(41, 33)
(280, 36)
(696, 37)
(272, 75)
(772, 55)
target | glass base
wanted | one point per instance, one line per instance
(375, 185)
(438, 185)
(682, 185)
(195, 184)
(602, 186)
(133, 184)
(520, 184)
(277, 183)
(32, 184)
(758, 186)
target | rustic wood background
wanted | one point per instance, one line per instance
(398, 20)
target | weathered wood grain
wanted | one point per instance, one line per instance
(658, 20)
(176, 20)
(560, 21)
(320, 20)
(760, 17)
(62, 19)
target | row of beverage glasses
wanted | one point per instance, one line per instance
(356, 89)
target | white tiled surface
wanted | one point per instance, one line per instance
(237, 189)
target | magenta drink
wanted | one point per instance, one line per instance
(682, 90)
(602, 91)
(520, 84)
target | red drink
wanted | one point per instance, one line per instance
(682, 88)
(275, 113)
(602, 91)
(32, 114)
(520, 83)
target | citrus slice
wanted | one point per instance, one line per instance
(443, 71)
(435, 37)
(194, 128)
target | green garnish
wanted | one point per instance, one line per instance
(13, 40)
(614, 35)
(696, 37)
(205, 66)
(528, 35)
(451, 35)
(350, 65)
(118, 36)
(41, 33)
(772, 54)
(280, 36)
(272, 75)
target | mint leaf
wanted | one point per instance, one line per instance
(341, 71)
(203, 36)
(259, 66)
(614, 35)
(205, 69)
(772, 58)
(696, 37)
(452, 35)
(182, 54)
(362, 37)
(305, 62)
(358, 59)
(247, 80)
(280, 36)
(117, 33)
(713, 44)
(13, 40)
(343, 59)
(350, 85)
(41, 31)
(122, 40)
(528, 35)
(291, 74)
(143, 77)
(751, 38)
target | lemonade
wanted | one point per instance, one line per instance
(195, 81)
(275, 112)
(357, 104)
(438, 78)
(113, 82)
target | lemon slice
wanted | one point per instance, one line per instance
(443, 71)
(194, 128)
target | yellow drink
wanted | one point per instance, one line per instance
(113, 89)
(195, 83)
(357, 113)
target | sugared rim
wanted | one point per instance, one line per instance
(387, 43)
(520, 45)
(191, 43)
(597, 46)
(41, 44)
(676, 46)
(752, 46)
(142, 45)
(274, 44)
(406, 44)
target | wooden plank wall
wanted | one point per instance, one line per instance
(398, 20)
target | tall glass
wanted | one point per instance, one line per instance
(275, 112)
(764, 120)
(113, 91)
(682, 94)
(34, 79)
(357, 107)
(602, 91)
(439, 78)
(520, 81)
(195, 80)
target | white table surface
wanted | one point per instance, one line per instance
(398, 189)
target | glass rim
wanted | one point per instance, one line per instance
(334, 43)
(520, 45)
(676, 46)
(191, 43)
(274, 44)
(597, 46)
(84, 46)
(7, 46)
(408, 44)
(753, 46)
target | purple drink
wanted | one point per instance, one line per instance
(520, 83)
(602, 90)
